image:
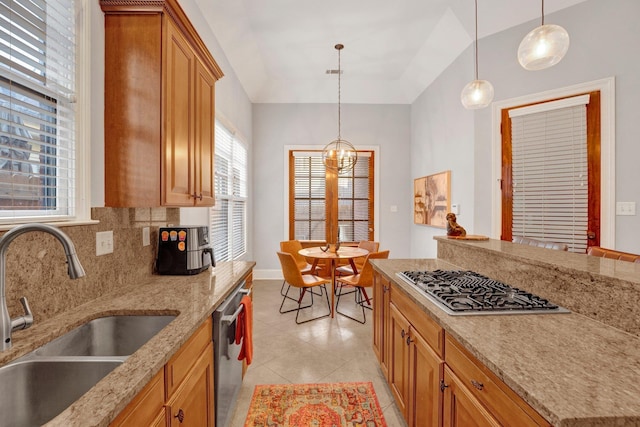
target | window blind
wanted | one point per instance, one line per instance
(228, 216)
(550, 176)
(310, 196)
(354, 201)
(353, 192)
(37, 112)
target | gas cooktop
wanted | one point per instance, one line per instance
(460, 292)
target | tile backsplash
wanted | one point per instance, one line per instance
(37, 269)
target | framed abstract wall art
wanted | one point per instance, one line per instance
(432, 199)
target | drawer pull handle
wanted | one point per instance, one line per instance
(180, 415)
(443, 386)
(477, 384)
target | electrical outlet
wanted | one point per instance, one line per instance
(625, 208)
(394, 208)
(455, 208)
(146, 239)
(104, 242)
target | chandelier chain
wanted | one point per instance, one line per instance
(339, 93)
(476, 42)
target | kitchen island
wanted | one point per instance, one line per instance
(571, 369)
(191, 298)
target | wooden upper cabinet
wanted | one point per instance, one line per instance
(159, 107)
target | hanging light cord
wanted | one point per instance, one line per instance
(542, 12)
(476, 42)
(339, 48)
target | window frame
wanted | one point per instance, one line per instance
(83, 99)
(606, 87)
(375, 153)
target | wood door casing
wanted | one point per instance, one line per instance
(594, 169)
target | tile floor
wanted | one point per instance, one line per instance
(324, 350)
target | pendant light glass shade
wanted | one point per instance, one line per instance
(339, 155)
(543, 47)
(477, 94)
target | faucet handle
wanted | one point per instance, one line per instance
(23, 322)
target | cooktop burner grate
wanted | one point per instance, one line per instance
(467, 292)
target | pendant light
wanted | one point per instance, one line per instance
(339, 155)
(543, 47)
(477, 93)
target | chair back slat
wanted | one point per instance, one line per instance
(290, 269)
(369, 245)
(293, 247)
(366, 275)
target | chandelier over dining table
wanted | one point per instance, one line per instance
(339, 155)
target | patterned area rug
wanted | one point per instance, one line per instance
(315, 405)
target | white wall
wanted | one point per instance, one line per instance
(278, 125)
(604, 42)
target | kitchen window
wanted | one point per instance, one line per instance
(229, 215)
(38, 148)
(551, 171)
(323, 203)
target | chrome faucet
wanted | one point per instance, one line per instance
(75, 271)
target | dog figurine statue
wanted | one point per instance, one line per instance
(453, 229)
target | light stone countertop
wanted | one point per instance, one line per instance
(575, 371)
(191, 298)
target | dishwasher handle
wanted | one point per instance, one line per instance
(232, 318)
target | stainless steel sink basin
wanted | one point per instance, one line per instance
(35, 391)
(106, 336)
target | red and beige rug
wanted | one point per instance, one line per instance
(315, 405)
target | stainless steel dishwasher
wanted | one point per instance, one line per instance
(227, 367)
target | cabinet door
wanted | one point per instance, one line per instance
(177, 144)
(204, 136)
(145, 407)
(192, 404)
(425, 373)
(399, 358)
(378, 318)
(461, 409)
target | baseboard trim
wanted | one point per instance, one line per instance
(259, 274)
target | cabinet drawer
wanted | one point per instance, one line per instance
(432, 333)
(502, 402)
(145, 407)
(179, 365)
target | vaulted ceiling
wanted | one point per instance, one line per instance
(281, 49)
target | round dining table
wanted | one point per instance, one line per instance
(345, 252)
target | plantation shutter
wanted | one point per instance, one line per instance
(37, 111)
(310, 204)
(550, 176)
(228, 216)
(355, 204)
(238, 242)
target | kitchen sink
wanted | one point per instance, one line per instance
(106, 336)
(35, 391)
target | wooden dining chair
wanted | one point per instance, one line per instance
(359, 281)
(347, 270)
(293, 247)
(293, 277)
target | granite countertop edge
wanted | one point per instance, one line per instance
(191, 298)
(544, 390)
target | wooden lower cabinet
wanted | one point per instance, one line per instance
(180, 394)
(415, 371)
(147, 408)
(191, 404)
(381, 299)
(461, 409)
(434, 380)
